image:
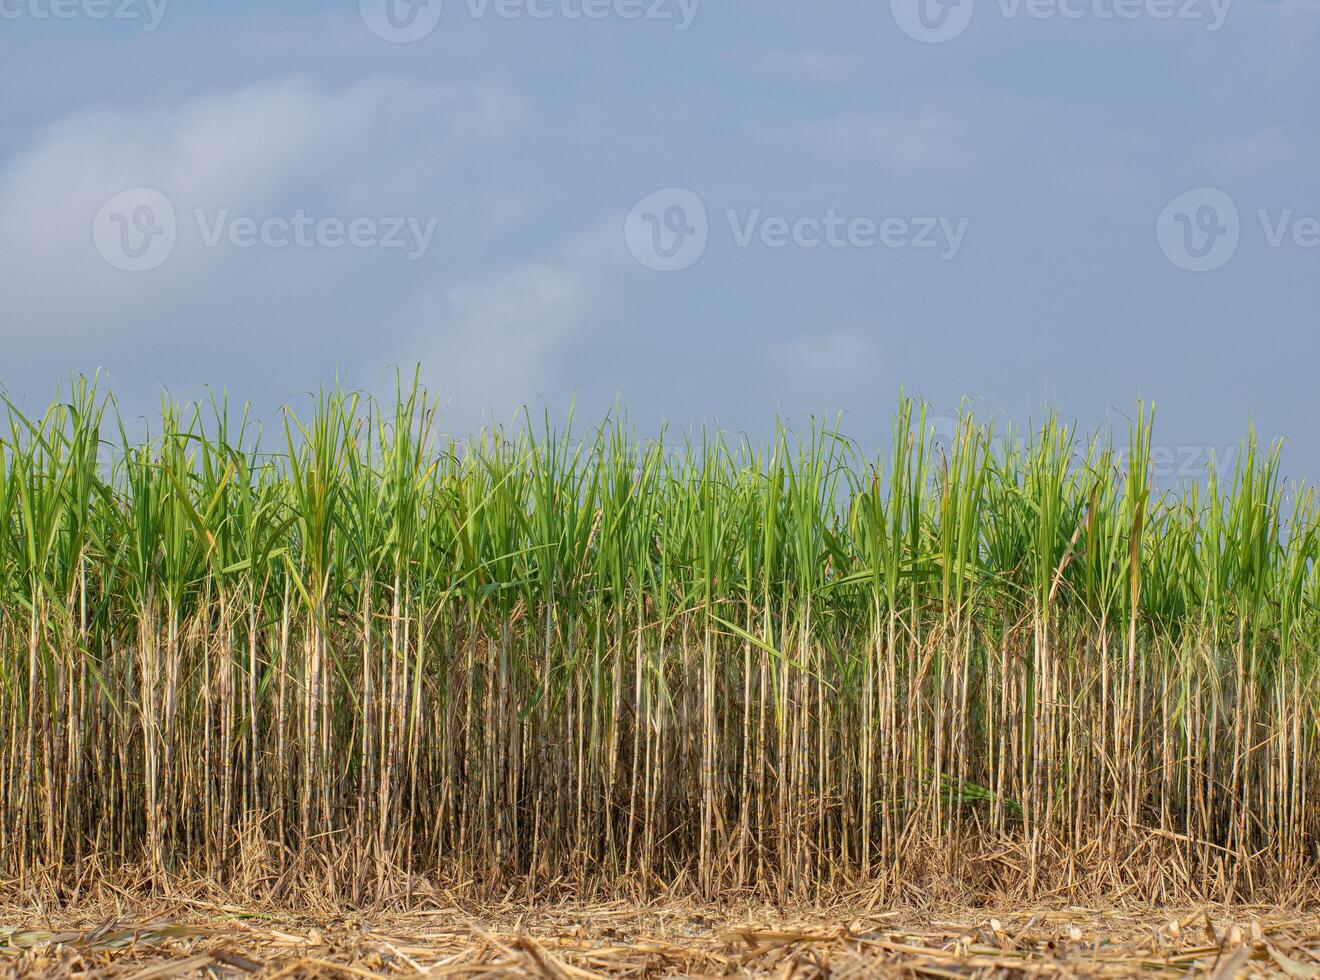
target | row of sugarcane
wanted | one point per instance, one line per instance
(358, 653)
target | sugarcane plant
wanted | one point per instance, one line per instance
(362, 652)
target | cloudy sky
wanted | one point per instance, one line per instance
(711, 210)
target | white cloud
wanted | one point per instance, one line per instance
(493, 344)
(259, 151)
(922, 142)
(232, 150)
(1263, 149)
(497, 341)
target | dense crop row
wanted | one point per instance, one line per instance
(357, 651)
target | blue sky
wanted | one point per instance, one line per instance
(1001, 215)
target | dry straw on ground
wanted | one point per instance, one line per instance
(568, 942)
